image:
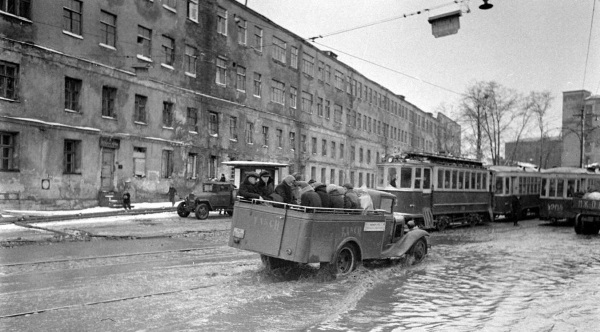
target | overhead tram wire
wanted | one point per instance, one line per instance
(587, 55)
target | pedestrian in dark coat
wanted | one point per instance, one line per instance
(248, 188)
(126, 201)
(266, 185)
(172, 192)
(222, 179)
(351, 198)
(308, 196)
(285, 188)
(321, 190)
(336, 196)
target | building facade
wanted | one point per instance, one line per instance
(580, 118)
(105, 96)
(532, 151)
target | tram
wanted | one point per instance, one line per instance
(437, 191)
(516, 191)
(559, 186)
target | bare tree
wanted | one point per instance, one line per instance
(491, 111)
(538, 104)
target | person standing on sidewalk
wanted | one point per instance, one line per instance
(172, 192)
(126, 201)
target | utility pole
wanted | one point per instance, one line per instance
(581, 135)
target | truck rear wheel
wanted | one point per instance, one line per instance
(418, 251)
(182, 210)
(344, 261)
(202, 211)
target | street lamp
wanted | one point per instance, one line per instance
(486, 5)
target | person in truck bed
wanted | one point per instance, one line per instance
(248, 188)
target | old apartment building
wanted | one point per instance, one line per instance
(580, 118)
(102, 96)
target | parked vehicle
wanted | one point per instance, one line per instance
(338, 239)
(559, 186)
(587, 220)
(436, 190)
(214, 196)
(516, 191)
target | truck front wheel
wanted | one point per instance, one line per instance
(202, 211)
(579, 228)
(182, 210)
(418, 251)
(345, 260)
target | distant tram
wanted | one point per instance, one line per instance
(516, 191)
(559, 186)
(437, 191)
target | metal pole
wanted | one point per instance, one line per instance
(582, 138)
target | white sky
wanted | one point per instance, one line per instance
(526, 45)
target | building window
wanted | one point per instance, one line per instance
(167, 114)
(242, 28)
(144, 41)
(166, 168)
(213, 123)
(294, 57)
(241, 79)
(332, 175)
(323, 172)
(257, 84)
(221, 71)
(9, 73)
(192, 10)
(233, 132)
(307, 101)
(313, 173)
(20, 8)
(278, 92)
(313, 142)
(339, 80)
(109, 96)
(308, 64)
(279, 49)
(191, 169)
(258, 39)
(172, 4)
(139, 112)
(265, 134)
(192, 119)
(327, 109)
(321, 69)
(139, 162)
(189, 63)
(72, 93)
(168, 50)
(222, 21)
(320, 106)
(324, 147)
(8, 143)
(360, 155)
(292, 138)
(71, 16)
(72, 157)
(108, 29)
(368, 156)
(333, 151)
(337, 113)
(293, 97)
(279, 137)
(352, 153)
(327, 74)
(341, 151)
(249, 132)
(303, 143)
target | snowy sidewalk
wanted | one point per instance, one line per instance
(10, 216)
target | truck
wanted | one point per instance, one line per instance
(587, 218)
(337, 239)
(213, 197)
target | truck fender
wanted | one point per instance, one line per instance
(406, 242)
(199, 201)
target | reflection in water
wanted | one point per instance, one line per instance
(536, 279)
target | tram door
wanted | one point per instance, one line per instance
(426, 199)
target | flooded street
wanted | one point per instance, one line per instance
(496, 277)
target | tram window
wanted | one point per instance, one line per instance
(379, 176)
(392, 176)
(426, 178)
(454, 179)
(447, 179)
(440, 179)
(499, 182)
(473, 180)
(417, 178)
(570, 187)
(405, 177)
(560, 188)
(507, 186)
(461, 179)
(552, 190)
(478, 181)
(467, 180)
(484, 184)
(543, 192)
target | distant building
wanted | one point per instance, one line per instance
(578, 104)
(99, 97)
(528, 151)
